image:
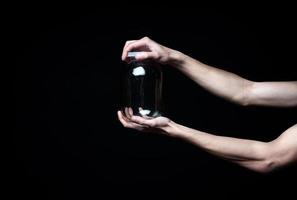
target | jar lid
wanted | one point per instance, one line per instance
(132, 54)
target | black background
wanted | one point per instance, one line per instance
(67, 141)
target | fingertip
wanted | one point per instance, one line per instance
(123, 56)
(119, 115)
(127, 114)
(130, 111)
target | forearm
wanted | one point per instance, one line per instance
(274, 94)
(248, 153)
(219, 82)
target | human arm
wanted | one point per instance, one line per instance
(219, 82)
(255, 155)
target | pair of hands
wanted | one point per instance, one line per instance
(147, 49)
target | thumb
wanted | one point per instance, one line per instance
(145, 55)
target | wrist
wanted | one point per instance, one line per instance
(181, 61)
(172, 129)
(178, 131)
(176, 58)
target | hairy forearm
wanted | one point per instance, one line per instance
(248, 153)
(219, 82)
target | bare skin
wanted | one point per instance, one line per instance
(255, 155)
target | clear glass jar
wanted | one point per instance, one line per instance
(143, 88)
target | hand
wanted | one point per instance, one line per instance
(128, 120)
(148, 49)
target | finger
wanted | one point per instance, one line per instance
(126, 44)
(129, 124)
(127, 114)
(146, 55)
(130, 111)
(123, 117)
(139, 44)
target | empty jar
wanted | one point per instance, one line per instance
(142, 88)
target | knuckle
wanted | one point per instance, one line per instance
(131, 46)
(128, 41)
(146, 38)
(145, 56)
(157, 56)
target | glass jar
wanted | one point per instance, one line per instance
(143, 88)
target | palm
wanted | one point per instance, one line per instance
(159, 122)
(142, 123)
